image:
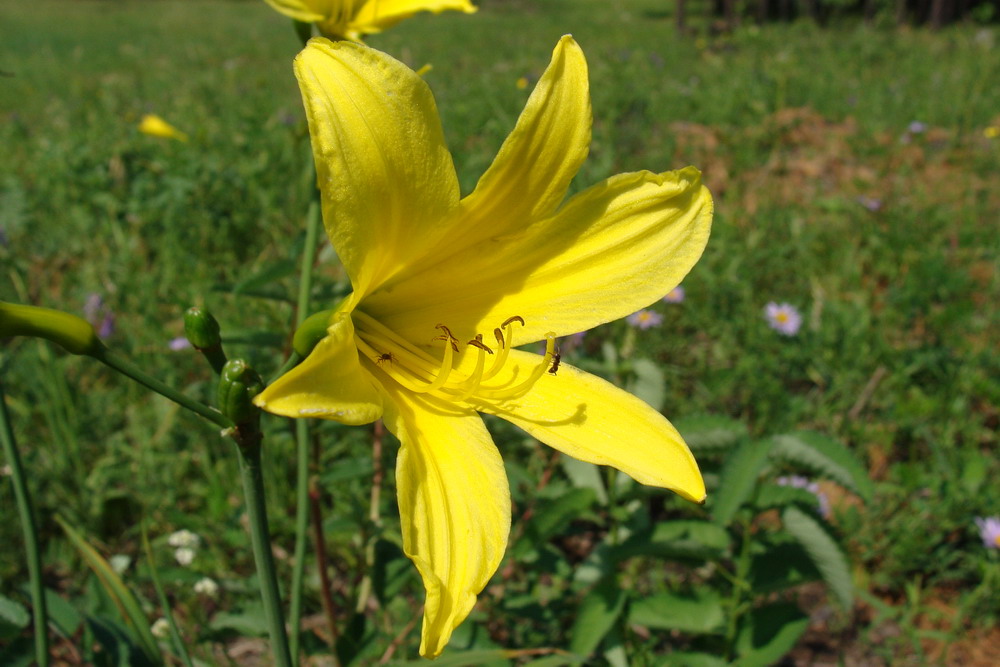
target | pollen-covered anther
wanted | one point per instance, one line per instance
(447, 335)
(478, 342)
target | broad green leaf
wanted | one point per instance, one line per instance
(711, 434)
(770, 496)
(552, 516)
(649, 383)
(781, 567)
(251, 622)
(700, 613)
(585, 475)
(62, 614)
(691, 659)
(14, 617)
(769, 633)
(117, 590)
(738, 479)
(824, 456)
(824, 551)
(597, 614)
(680, 540)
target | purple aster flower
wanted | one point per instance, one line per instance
(800, 482)
(645, 319)
(93, 307)
(107, 326)
(916, 127)
(676, 295)
(179, 343)
(989, 530)
(783, 318)
(873, 204)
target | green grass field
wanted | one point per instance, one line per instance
(856, 177)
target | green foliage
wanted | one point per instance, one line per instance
(888, 392)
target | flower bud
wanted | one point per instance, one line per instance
(201, 328)
(238, 384)
(311, 331)
(73, 333)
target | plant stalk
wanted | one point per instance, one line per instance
(248, 439)
(30, 529)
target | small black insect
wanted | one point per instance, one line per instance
(555, 363)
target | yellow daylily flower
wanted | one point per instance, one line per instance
(354, 18)
(155, 126)
(445, 288)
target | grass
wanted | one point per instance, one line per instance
(794, 128)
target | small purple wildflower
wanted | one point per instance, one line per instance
(873, 204)
(783, 318)
(107, 326)
(179, 343)
(989, 530)
(676, 295)
(645, 319)
(800, 482)
(916, 127)
(93, 307)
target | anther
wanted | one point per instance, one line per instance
(516, 318)
(499, 335)
(478, 342)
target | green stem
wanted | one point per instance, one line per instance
(30, 529)
(126, 367)
(313, 219)
(301, 531)
(249, 446)
(736, 604)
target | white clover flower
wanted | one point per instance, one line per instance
(206, 586)
(120, 562)
(184, 538)
(184, 556)
(160, 628)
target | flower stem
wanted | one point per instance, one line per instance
(302, 426)
(24, 508)
(248, 440)
(126, 367)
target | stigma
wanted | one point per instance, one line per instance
(419, 371)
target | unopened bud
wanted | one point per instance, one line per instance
(311, 331)
(73, 333)
(238, 384)
(201, 328)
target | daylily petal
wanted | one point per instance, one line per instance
(532, 172)
(329, 384)
(380, 14)
(611, 250)
(592, 420)
(296, 9)
(384, 170)
(454, 507)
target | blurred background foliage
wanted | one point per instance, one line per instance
(856, 169)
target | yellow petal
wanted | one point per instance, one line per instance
(296, 9)
(611, 250)
(329, 384)
(377, 15)
(592, 420)
(454, 507)
(532, 172)
(155, 126)
(384, 171)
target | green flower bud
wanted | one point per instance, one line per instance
(201, 328)
(73, 333)
(238, 384)
(311, 331)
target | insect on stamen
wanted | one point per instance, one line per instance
(384, 358)
(556, 358)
